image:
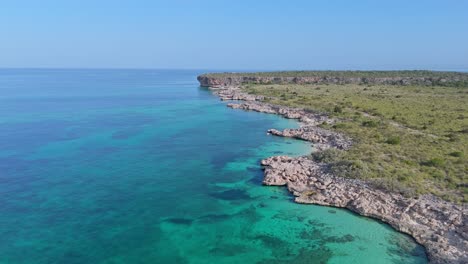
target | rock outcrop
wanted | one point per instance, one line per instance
(441, 227)
(234, 93)
(309, 130)
(321, 138)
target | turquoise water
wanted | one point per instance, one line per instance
(140, 166)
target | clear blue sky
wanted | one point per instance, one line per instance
(237, 34)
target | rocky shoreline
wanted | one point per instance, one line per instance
(441, 227)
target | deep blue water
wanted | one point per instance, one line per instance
(144, 166)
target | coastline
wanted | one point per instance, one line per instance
(437, 225)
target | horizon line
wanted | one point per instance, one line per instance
(461, 69)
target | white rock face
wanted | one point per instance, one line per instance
(439, 226)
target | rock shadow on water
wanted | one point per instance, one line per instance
(231, 195)
(256, 175)
(257, 171)
(320, 232)
(404, 247)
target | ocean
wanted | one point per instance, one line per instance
(145, 166)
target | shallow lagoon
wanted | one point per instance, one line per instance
(140, 166)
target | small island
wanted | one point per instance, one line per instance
(390, 145)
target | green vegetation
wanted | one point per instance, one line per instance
(455, 78)
(345, 74)
(456, 154)
(435, 162)
(328, 155)
(409, 139)
(393, 140)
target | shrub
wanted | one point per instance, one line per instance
(328, 155)
(393, 140)
(410, 162)
(339, 125)
(435, 162)
(437, 174)
(370, 123)
(349, 169)
(456, 154)
(324, 125)
(338, 109)
(453, 137)
(391, 184)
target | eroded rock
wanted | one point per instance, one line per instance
(438, 225)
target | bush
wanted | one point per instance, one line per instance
(410, 162)
(456, 154)
(370, 123)
(339, 125)
(328, 155)
(435, 162)
(393, 140)
(338, 109)
(453, 137)
(390, 184)
(348, 169)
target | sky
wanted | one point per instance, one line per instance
(237, 34)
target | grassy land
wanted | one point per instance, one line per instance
(348, 74)
(408, 139)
